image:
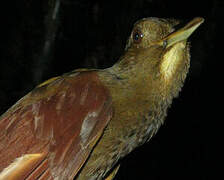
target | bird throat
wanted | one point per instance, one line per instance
(171, 60)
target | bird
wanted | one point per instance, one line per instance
(81, 124)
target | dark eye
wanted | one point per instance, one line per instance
(137, 36)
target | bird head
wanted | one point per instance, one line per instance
(157, 53)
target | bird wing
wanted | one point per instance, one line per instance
(50, 132)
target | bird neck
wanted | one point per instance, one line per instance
(138, 109)
(137, 80)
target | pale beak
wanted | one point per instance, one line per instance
(183, 33)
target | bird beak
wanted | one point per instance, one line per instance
(183, 33)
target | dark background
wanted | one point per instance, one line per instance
(39, 41)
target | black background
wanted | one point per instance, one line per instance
(93, 34)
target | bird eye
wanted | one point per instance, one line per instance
(137, 36)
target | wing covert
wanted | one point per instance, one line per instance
(62, 119)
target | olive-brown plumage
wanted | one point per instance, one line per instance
(80, 124)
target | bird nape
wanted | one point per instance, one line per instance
(81, 123)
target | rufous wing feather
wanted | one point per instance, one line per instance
(51, 131)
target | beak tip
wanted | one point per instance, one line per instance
(185, 32)
(199, 20)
